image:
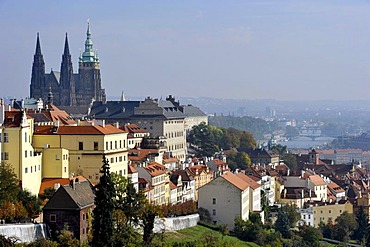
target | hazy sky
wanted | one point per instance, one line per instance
(246, 49)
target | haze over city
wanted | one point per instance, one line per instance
(285, 50)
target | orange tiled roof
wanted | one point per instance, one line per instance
(50, 182)
(78, 130)
(172, 186)
(317, 180)
(254, 185)
(235, 180)
(140, 154)
(335, 187)
(155, 169)
(169, 160)
(131, 169)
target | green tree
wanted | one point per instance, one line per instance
(47, 194)
(292, 213)
(310, 236)
(344, 226)
(223, 230)
(66, 238)
(102, 224)
(150, 211)
(9, 187)
(238, 160)
(362, 226)
(203, 136)
(282, 223)
(31, 203)
(291, 161)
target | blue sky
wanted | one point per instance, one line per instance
(255, 49)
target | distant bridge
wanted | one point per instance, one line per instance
(312, 132)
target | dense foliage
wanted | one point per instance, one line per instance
(257, 126)
(16, 204)
(209, 139)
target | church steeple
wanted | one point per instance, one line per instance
(38, 46)
(38, 72)
(89, 55)
(67, 83)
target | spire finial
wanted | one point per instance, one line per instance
(66, 46)
(38, 46)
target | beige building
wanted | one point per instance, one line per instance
(325, 212)
(86, 146)
(17, 151)
(226, 198)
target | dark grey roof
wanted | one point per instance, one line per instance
(75, 110)
(39, 117)
(113, 109)
(67, 197)
(193, 111)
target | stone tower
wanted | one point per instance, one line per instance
(89, 87)
(38, 73)
(67, 82)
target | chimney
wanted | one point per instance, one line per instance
(103, 123)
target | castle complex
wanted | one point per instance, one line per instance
(66, 87)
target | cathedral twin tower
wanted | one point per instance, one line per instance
(65, 87)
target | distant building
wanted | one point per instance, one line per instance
(69, 89)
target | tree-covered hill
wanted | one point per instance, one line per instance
(256, 126)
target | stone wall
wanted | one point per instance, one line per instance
(175, 223)
(25, 233)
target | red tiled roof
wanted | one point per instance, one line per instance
(133, 128)
(78, 130)
(50, 182)
(155, 169)
(170, 160)
(131, 169)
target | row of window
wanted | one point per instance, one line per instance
(175, 147)
(108, 145)
(117, 159)
(4, 137)
(174, 134)
(32, 169)
(173, 121)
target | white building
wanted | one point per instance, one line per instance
(226, 198)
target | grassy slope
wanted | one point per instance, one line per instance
(198, 232)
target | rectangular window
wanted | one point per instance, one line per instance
(25, 154)
(96, 146)
(80, 146)
(25, 137)
(111, 145)
(6, 156)
(120, 158)
(31, 169)
(57, 157)
(1, 137)
(214, 212)
(111, 160)
(6, 137)
(53, 218)
(120, 143)
(214, 201)
(115, 144)
(26, 170)
(106, 146)
(65, 169)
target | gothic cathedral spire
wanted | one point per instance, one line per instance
(38, 72)
(67, 83)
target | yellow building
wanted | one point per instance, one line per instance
(84, 147)
(325, 211)
(17, 151)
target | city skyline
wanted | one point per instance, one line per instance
(284, 50)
